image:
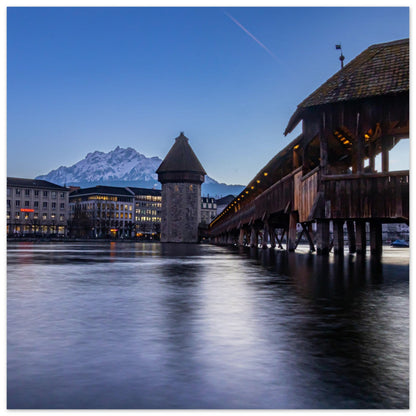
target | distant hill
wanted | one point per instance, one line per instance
(124, 167)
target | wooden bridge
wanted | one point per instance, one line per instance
(328, 173)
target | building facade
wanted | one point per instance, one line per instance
(181, 175)
(208, 209)
(102, 211)
(36, 208)
(147, 212)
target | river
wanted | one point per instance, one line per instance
(156, 326)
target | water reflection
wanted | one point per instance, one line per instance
(149, 325)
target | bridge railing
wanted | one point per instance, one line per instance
(368, 195)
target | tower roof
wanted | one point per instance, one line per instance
(181, 158)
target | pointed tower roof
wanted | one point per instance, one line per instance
(181, 158)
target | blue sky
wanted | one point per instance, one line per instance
(86, 79)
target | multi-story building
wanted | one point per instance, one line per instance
(208, 209)
(102, 211)
(148, 209)
(36, 207)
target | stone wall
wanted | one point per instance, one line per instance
(181, 212)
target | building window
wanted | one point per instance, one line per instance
(36, 193)
(45, 205)
(17, 215)
(18, 203)
(53, 205)
(17, 191)
(53, 215)
(8, 191)
(36, 204)
(8, 215)
(35, 216)
(8, 203)
(62, 195)
(27, 192)
(26, 216)
(53, 194)
(45, 193)
(62, 206)
(44, 216)
(26, 203)
(62, 217)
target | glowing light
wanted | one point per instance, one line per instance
(265, 173)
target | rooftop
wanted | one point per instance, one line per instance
(381, 69)
(181, 158)
(34, 183)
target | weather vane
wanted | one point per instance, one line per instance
(341, 57)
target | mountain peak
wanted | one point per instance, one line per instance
(122, 167)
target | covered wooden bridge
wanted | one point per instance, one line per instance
(328, 173)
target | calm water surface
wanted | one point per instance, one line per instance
(146, 325)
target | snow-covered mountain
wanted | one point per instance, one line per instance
(124, 167)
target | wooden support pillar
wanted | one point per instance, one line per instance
(272, 235)
(323, 139)
(253, 237)
(338, 227)
(241, 237)
(376, 242)
(361, 238)
(307, 228)
(291, 237)
(265, 239)
(351, 237)
(384, 156)
(322, 236)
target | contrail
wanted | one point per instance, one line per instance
(252, 36)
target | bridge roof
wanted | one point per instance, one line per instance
(381, 69)
(181, 158)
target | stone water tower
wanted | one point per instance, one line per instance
(181, 175)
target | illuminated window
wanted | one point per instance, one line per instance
(17, 215)
(62, 217)
(26, 216)
(44, 216)
(8, 215)
(35, 216)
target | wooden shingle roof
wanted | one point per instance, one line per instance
(181, 158)
(381, 69)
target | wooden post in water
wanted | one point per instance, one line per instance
(361, 240)
(241, 237)
(338, 236)
(291, 237)
(322, 236)
(376, 242)
(272, 235)
(253, 237)
(351, 237)
(265, 238)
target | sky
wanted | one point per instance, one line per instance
(81, 79)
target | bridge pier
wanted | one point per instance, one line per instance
(291, 235)
(376, 242)
(322, 242)
(338, 227)
(241, 237)
(272, 235)
(265, 239)
(361, 240)
(351, 237)
(254, 237)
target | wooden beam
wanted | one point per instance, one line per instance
(338, 236)
(351, 237)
